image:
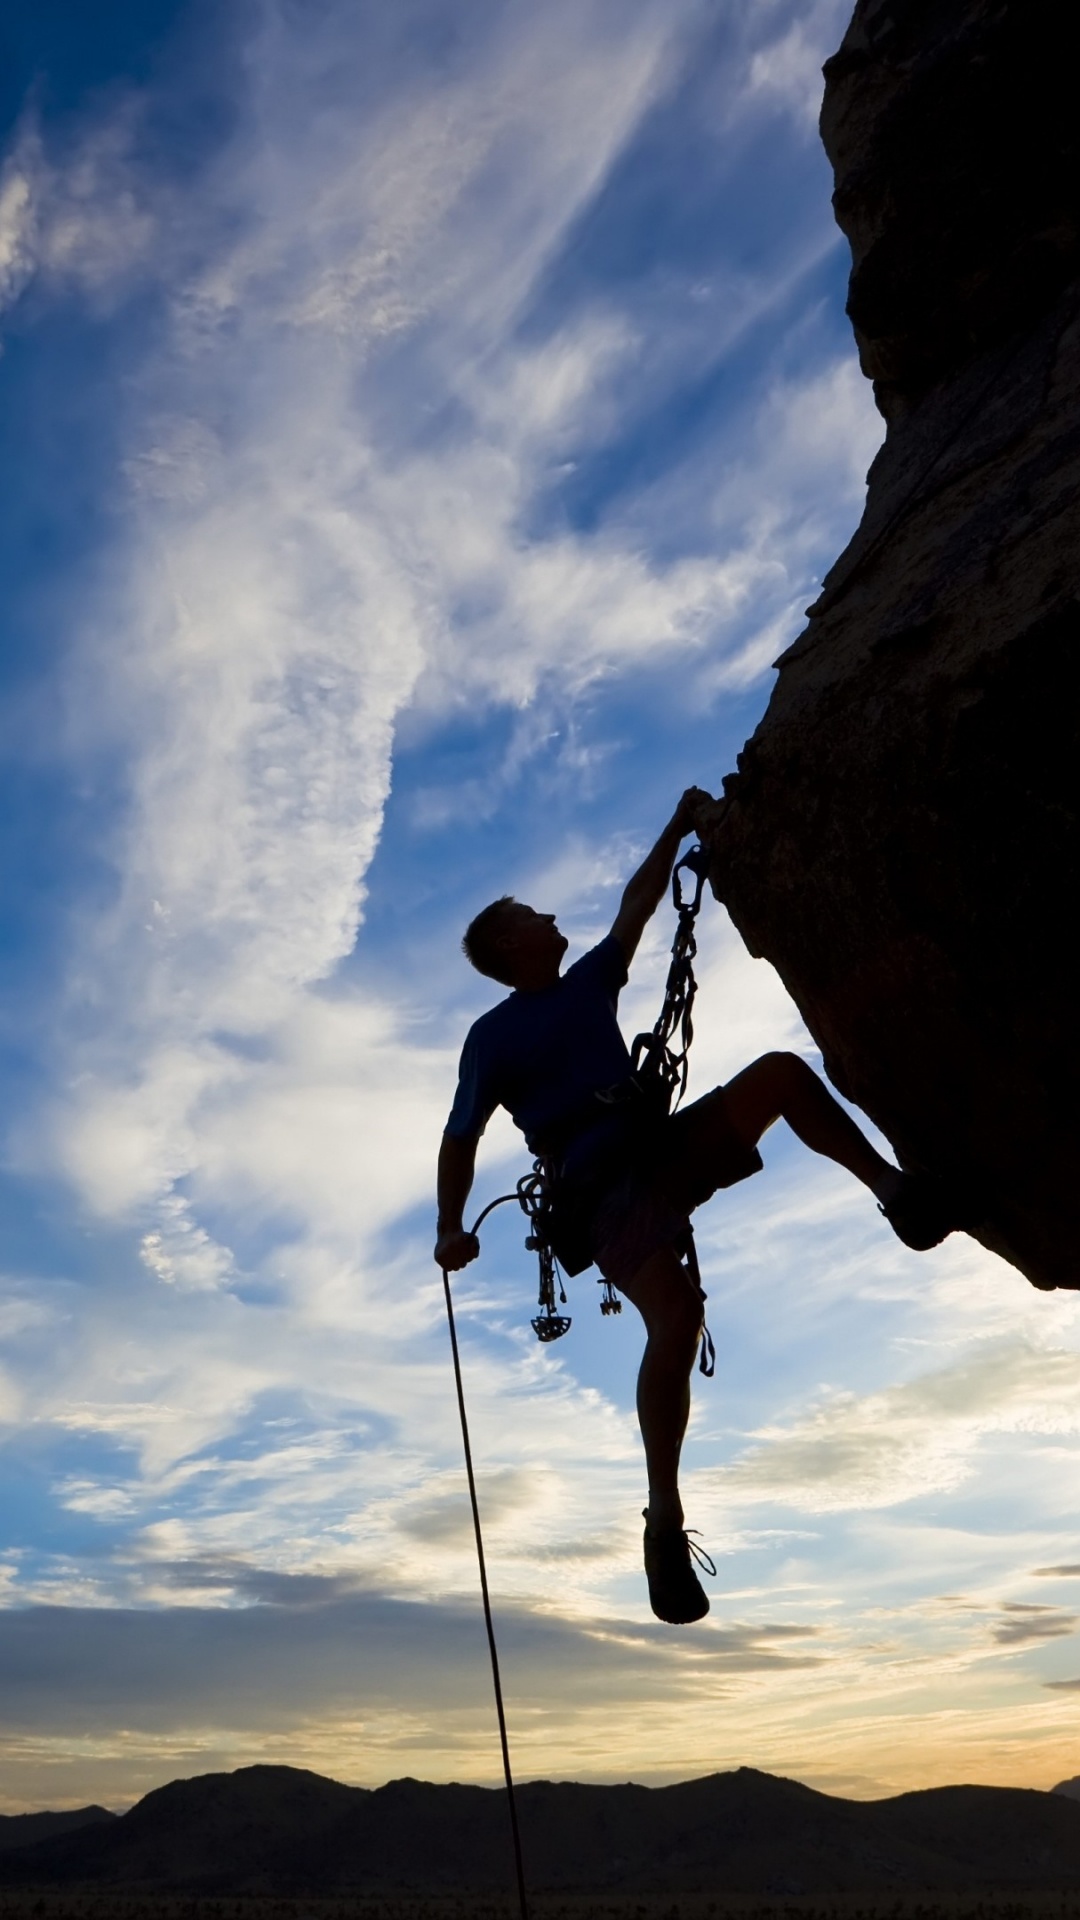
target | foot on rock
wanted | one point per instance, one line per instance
(924, 1210)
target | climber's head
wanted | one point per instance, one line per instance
(515, 945)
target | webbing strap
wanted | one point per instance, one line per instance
(663, 1056)
(688, 1252)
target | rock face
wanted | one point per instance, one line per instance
(901, 839)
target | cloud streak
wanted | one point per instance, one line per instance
(880, 1449)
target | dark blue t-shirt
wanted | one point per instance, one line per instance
(542, 1055)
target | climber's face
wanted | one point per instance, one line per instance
(532, 944)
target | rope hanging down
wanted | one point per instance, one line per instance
(500, 1710)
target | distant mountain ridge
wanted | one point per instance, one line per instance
(283, 1830)
(25, 1829)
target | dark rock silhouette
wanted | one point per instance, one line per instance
(278, 1830)
(902, 840)
(26, 1829)
(1070, 1788)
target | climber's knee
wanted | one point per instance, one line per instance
(669, 1304)
(785, 1068)
(767, 1090)
(757, 1096)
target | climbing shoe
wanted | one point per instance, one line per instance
(675, 1592)
(924, 1210)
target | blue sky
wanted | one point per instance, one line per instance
(423, 428)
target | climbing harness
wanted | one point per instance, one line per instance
(660, 1066)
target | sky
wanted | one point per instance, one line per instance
(423, 427)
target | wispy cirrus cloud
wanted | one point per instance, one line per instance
(858, 1451)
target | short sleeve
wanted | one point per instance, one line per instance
(474, 1102)
(604, 964)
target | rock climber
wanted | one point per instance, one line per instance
(553, 1055)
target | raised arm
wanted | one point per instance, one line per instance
(454, 1248)
(645, 890)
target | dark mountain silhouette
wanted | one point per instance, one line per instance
(1069, 1787)
(280, 1830)
(25, 1829)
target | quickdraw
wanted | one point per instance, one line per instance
(660, 1061)
(660, 1064)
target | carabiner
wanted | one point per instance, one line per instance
(697, 862)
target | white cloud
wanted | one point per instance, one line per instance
(790, 69)
(182, 1253)
(15, 211)
(337, 1127)
(81, 223)
(874, 1450)
(785, 67)
(813, 442)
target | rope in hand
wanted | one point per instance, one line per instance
(500, 1710)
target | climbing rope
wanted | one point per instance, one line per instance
(500, 1710)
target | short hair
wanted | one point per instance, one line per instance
(481, 942)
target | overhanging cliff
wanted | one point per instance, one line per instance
(902, 836)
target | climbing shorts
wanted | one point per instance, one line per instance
(688, 1158)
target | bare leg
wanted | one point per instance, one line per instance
(672, 1312)
(778, 1086)
(781, 1086)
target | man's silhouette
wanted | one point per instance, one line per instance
(553, 1055)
